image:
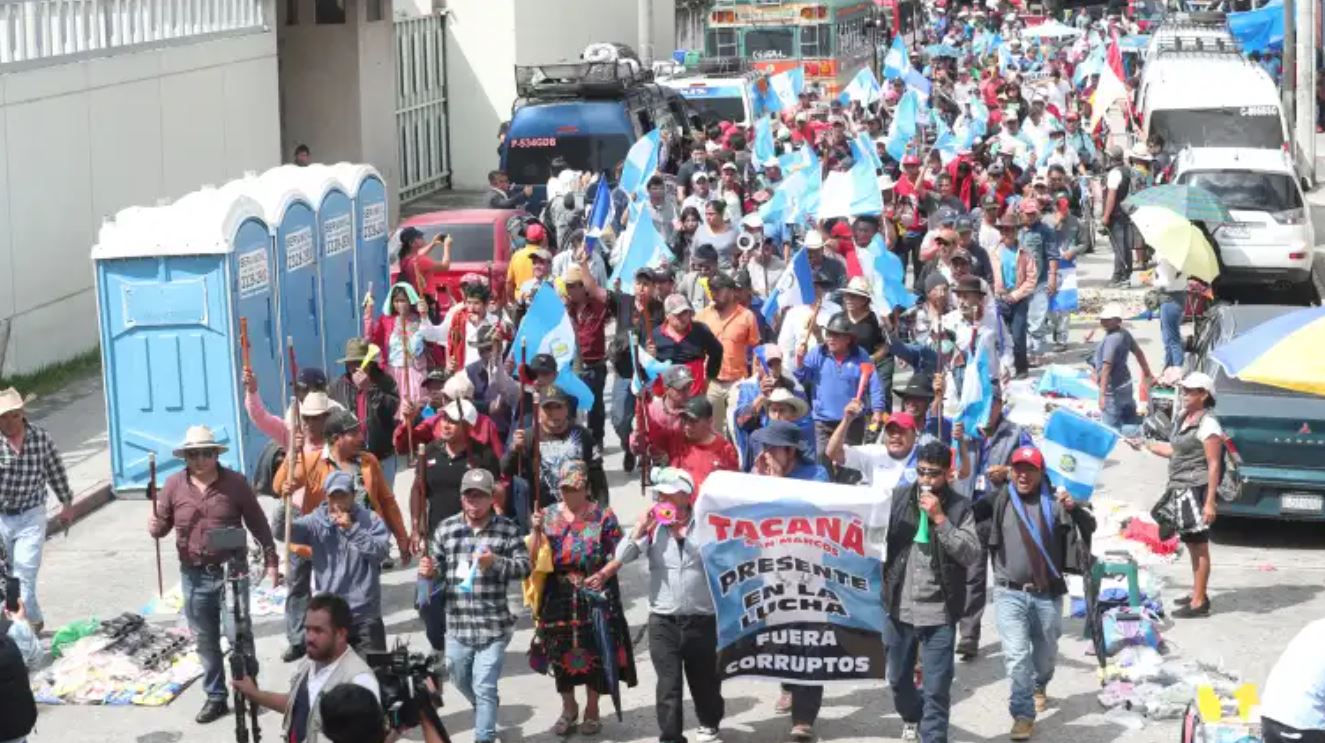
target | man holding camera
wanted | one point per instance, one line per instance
(330, 663)
(202, 498)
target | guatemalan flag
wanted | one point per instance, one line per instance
(763, 140)
(862, 148)
(852, 193)
(645, 366)
(784, 90)
(903, 127)
(795, 287)
(641, 163)
(977, 397)
(864, 87)
(546, 329)
(645, 248)
(599, 215)
(1066, 299)
(1075, 448)
(896, 63)
(887, 276)
(944, 141)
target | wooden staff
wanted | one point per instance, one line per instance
(641, 406)
(810, 326)
(401, 322)
(519, 401)
(151, 495)
(244, 349)
(294, 455)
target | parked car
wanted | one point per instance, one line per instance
(482, 244)
(1276, 437)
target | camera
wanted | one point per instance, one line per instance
(227, 539)
(746, 242)
(401, 677)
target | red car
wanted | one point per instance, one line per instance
(481, 245)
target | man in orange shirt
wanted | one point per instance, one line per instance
(738, 331)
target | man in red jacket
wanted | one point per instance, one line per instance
(696, 448)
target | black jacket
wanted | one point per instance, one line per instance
(523, 462)
(18, 709)
(904, 521)
(1072, 531)
(500, 200)
(383, 402)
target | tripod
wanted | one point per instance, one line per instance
(243, 653)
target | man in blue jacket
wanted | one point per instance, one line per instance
(349, 543)
(833, 371)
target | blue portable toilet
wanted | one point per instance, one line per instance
(173, 283)
(372, 262)
(340, 312)
(292, 219)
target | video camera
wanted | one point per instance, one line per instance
(406, 699)
(243, 656)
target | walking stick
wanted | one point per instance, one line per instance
(243, 344)
(641, 408)
(407, 392)
(519, 401)
(151, 495)
(294, 455)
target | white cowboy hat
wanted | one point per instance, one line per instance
(786, 397)
(315, 403)
(814, 240)
(1112, 311)
(859, 286)
(10, 400)
(199, 437)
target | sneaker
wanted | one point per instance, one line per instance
(212, 711)
(707, 735)
(783, 705)
(910, 731)
(802, 733)
(292, 653)
(968, 651)
(628, 464)
(1041, 698)
(1022, 729)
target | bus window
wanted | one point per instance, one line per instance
(721, 42)
(816, 41)
(770, 43)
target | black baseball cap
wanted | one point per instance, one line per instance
(543, 363)
(697, 407)
(722, 281)
(409, 235)
(311, 376)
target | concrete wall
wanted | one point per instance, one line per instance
(82, 140)
(486, 38)
(338, 89)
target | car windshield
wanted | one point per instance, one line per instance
(770, 43)
(1245, 190)
(723, 109)
(471, 242)
(529, 159)
(1246, 126)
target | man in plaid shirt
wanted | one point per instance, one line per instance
(476, 554)
(29, 463)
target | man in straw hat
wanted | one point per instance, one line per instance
(205, 496)
(29, 463)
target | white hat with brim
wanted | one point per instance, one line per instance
(1197, 381)
(199, 438)
(1112, 311)
(859, 286)
(315, 403)
(783, 396)
(10, 400)
(814, 240)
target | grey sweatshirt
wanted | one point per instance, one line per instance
(347, 562)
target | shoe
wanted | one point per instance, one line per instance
(388, 563)
(708, 735)
(628, 462)
(292, 653)
(1022, 729)
(783, 705)
(802, 733)
(1184, 601)
(967, 652)
(910, 731)
(213, 710)
(1041, 698)
(1193, 612)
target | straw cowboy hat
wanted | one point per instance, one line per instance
(199, 437)
(10, 400)
(786, 397)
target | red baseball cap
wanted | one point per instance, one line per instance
(841, 229)
(1029, 455)
(905, 420)
(535, 233)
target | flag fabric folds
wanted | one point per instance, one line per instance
(546, 328)
(648, 367)
(852, 193)
(763, 139)
(599, 215)
(887, 276)
(1111, 88)
(641, 163)
(795, 287)
(644, 248)
(1075, 448)
(864, 87)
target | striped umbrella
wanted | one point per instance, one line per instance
(1287, 352)
(1190, 202)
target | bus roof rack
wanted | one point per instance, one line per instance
(1208, 44)
(1197, 18)
(579, 79)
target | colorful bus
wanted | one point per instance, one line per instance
(831, 39)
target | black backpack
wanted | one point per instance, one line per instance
(18, 709)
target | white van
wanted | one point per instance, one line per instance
(724, 98)
(1270, 244)
(1212, 100)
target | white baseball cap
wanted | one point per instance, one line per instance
(1112, 311)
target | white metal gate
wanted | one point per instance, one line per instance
(421, 110)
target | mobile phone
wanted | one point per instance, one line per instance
(11, 593)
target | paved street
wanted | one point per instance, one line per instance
(1267, 582)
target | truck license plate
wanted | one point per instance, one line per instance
(1300, 502)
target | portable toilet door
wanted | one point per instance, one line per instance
(372, 263)
(169, 289)
(293, 224)
(335, 243)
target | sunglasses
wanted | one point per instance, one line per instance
(201, 454)
(930, 471)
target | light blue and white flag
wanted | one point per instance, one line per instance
(852, 193)
(645, 248)
(1091, 65)
(864, 87)
(546, 328)
(863, 148)
(794, 287)
(784, 89)
(977, 397)
(1075, 448)
(641, 163)
(1066, 299)
(763, 139)
(599, 215)
(903, 127)
(944, 140)
(897, 62)
(919, 83)
(648, 367)
(1060, 380)
(797, 160)
(886, 274)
